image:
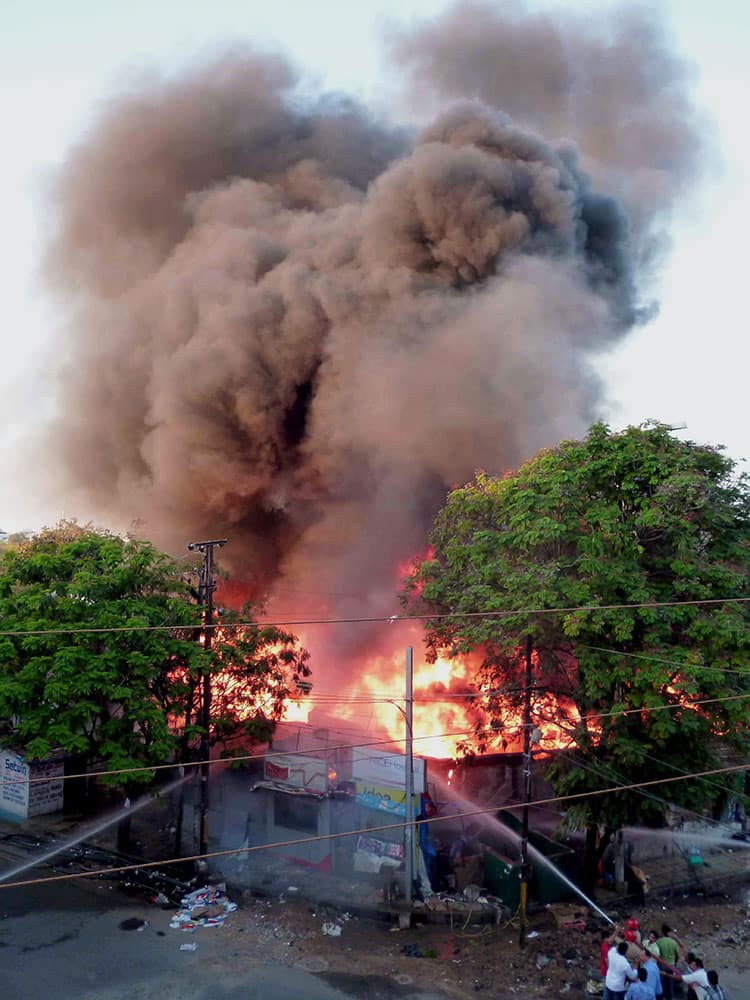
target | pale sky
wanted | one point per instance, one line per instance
(58, 59)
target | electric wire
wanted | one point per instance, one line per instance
(670, 663)
(255, 848)
(400, 739)
(657, 708)
(707, 781)
(238, 760)
(373, 619)
(609, 773)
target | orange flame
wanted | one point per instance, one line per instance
(448, 707)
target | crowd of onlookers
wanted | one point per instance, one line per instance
(635, 967)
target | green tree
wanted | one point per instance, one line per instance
(90, 668)
(255, 670)
(637, 517)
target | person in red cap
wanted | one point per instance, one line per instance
(633, 937)
(631, 924)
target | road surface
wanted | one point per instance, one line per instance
(65, 942)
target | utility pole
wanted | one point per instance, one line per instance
(206, 588)
(525, 866)
(409, 762)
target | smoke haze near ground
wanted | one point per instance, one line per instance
(297, 327)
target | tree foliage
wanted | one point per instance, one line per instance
(88, 666)
(255, 670)
(632, 518)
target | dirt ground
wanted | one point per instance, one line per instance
(463, 961)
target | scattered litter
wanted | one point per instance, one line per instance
(189, 946)
(594, 989)
(205, 907)
(403, 980)
(543, 961)
(292, 888)
(332, 930)
(532, 934)
(161, 900)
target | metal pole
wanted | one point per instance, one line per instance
(525, 867)
(208, 569)
(409, 812)
(206, 588)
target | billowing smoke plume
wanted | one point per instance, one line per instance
(297, 327)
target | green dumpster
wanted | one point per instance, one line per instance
(503, 875)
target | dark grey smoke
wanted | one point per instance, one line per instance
(610, 82)
(297, 327)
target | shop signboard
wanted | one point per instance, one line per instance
(309, 773)
(21, 793)
(46, 795)
(388, 770)
(14, 786)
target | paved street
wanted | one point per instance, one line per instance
(65, 942)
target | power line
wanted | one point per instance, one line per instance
(238, 760)
(608, 772)
(354, 746)
(364, 831)
(658, 708)
(707, 781)
(671, 663)
(365, 620)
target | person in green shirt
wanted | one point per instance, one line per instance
(650, 943)
(670, 949)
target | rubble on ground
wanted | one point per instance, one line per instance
(208, 906)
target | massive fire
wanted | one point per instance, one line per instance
(448, 707)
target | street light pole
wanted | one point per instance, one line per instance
(206, 588)
(525, 867)
(409, 763)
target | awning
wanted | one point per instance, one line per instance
(279, 786)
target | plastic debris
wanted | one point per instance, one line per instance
(205, 907)
(532, 934)
(332, 930)
(189, 946)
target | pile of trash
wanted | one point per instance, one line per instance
(205, 907)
